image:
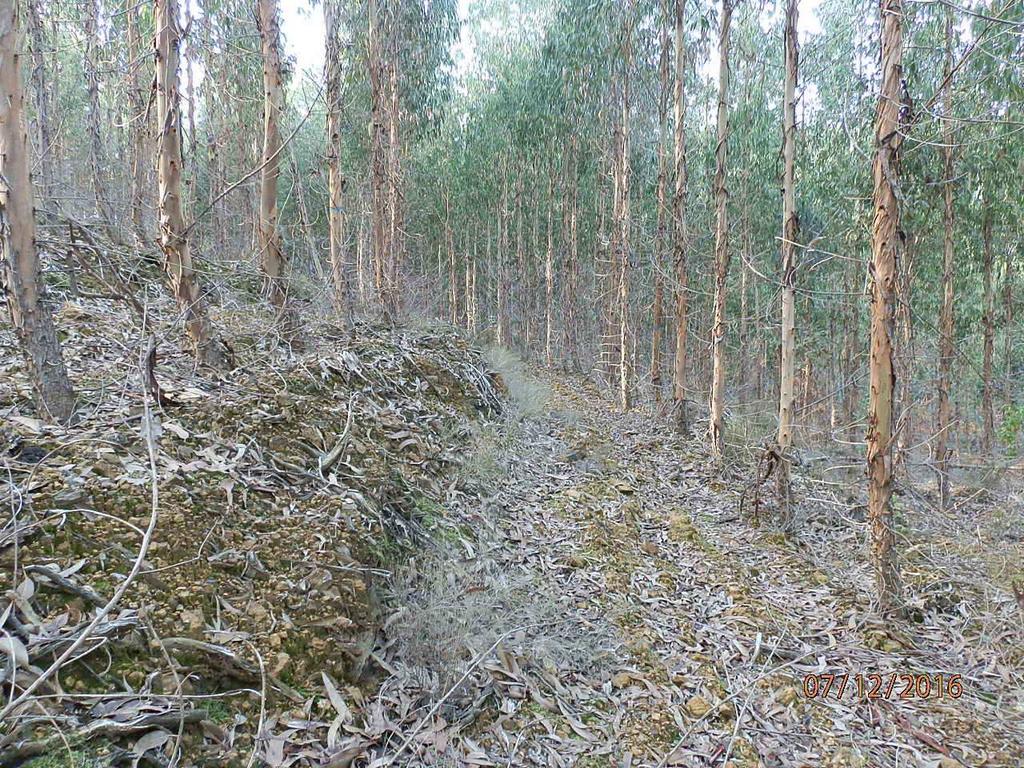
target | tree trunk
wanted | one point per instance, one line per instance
(679, 220)
(31, 314)
(516, 288)
(622, 225)
(549, 278)
(213, 122)
(904, 354)
(97, 155)
(41, 99)
(946, 319)
(570, 299)
(362, 243)
(394, 179)
(886, 240)
(453, 279)
(502, 287)
(716, 424)
(1008, 316)
(340, 266)
(189, 150)
(379, 161)
(470, 287)
(139, 158)
(790, 233)
(661, 231)
(305, 223)
(272, 257)
(988, 322)
(173, 235)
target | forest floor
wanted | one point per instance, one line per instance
(363, 559)
(713, 623)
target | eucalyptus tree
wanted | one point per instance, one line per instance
(178, 264)
(97, 149)
(790, 233)
(273, 258)
(42, 98)
(716, 421)
(341, 268)
(886, 239)
(946, 317)
(679, 230)
(621, 211)
(139, 156)
(661, 235)
(20, 281)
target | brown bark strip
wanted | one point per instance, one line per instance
(273, 259)
(886, 241)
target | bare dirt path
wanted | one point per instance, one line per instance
(692, 631)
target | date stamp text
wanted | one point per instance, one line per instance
(894, 685)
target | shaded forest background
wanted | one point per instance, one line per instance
(510, 155)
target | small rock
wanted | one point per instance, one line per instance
(698, 706)
(71, 497)
(621, 679)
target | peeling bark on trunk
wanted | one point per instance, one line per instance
(679, 220)
(790, 233)
(272, 257)
(173, 234)
(716, 423)
(20, 283)
(886, 241)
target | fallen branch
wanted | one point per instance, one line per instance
(102, 613)
(106, 728)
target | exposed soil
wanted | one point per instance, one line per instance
(560, 585)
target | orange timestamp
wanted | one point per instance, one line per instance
(876, 686)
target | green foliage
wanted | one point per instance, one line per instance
(1012, 428)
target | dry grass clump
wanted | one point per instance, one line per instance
(527, 395)
(456, 609)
